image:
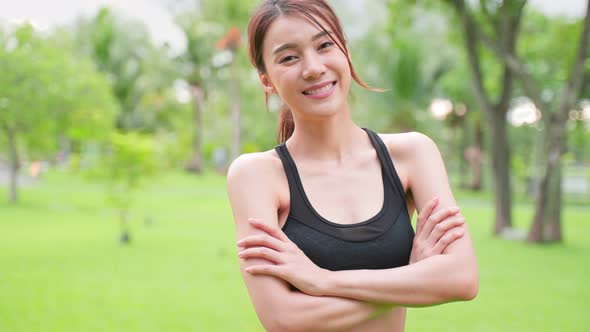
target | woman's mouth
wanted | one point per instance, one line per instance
(321, 92)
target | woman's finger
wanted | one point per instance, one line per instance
(273, 231)
(261, 252)
(437, 217)
(424, 214)
(447, 239)
(271, 270)
(261, 240)
(443, 227)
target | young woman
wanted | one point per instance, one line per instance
(323, 220)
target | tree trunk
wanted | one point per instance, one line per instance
(476, 162)
(546, 225)
(234, 90)
(125, 236)
(501, 169)
(195, 164)
(463, 171)
(539, 157)
(13, 165)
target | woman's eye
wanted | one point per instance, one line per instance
(287, 58)
(325, 45)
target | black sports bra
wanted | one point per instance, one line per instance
(381, 242)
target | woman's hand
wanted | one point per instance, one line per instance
(435, 231)
(289, 262)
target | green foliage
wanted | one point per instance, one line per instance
(549, 47)
(39, 108)
(578, 139)
(143, 78)
(125, 164)
(397, 54)
(122, 50)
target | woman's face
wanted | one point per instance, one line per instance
(305, 67)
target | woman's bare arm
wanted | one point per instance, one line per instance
(251, 184)
(451, 276)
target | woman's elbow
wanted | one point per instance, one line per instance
(468, 286)
(275, 322)
(274, 325)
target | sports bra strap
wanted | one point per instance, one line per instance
(386, 161)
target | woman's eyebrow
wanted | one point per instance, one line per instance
(293, 45)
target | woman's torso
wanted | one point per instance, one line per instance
(354, 216)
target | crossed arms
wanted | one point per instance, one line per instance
(442, 266)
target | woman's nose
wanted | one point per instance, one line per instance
(313, 67)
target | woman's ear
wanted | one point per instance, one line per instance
(266, 84)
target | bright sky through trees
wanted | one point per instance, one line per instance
(46, 14)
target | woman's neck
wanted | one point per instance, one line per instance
(334, 138)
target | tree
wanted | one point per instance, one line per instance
(502, 19)
(37, 108)
(465, 117)
(546, 226)
(234, 20)
(124, 164)
(149, 125)
(122, 50)
(197, 61)
(231, 43)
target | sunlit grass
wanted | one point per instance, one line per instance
(62, 269)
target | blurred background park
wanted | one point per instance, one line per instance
(118, 120)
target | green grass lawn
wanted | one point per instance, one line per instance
(61, 268)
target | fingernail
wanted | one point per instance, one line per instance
(455, 209)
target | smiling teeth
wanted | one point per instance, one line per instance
(315, 92)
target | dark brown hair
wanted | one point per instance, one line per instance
(313, 10)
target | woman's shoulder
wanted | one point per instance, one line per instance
(257, 181)
(408, 145)
(256, 166)
(411, 152)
